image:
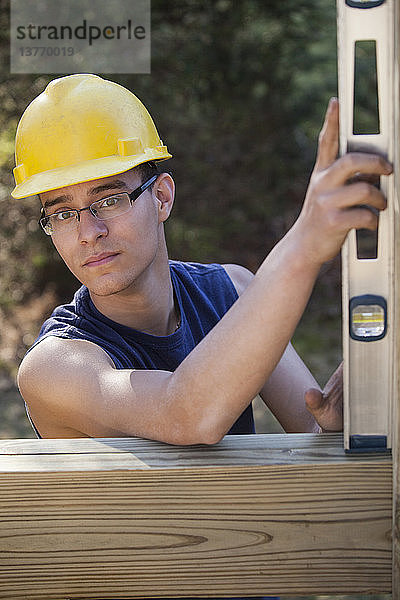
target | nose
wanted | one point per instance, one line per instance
(90, 228)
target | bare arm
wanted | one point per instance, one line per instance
(78, 387)
(285, 389)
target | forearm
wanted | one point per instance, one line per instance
(284, 392)
(228, 368)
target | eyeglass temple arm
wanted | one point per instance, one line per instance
(144, 187)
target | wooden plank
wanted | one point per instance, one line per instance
(125, 453)
(184, 531)
(231, 443)
(36, 463)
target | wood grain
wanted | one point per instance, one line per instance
(114, 453)
(194, 527)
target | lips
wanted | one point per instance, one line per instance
(100, 259)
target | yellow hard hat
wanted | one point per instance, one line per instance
(82, 127)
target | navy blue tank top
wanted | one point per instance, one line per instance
(203, 292)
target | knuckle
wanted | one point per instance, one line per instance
(366, 190)
(332, 219)
(320, 201)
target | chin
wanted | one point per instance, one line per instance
(108, 286)
(109, 289)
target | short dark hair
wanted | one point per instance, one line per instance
(147, 170)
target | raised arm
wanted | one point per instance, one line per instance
(75, 382)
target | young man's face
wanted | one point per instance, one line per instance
(107, 256)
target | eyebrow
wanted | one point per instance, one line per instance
(111, 185)
(66, 198)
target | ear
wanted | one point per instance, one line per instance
(164, 193)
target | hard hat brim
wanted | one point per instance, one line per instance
(85, 171)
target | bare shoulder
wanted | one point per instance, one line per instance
(239, 275)
(54, 370)
(54, 357)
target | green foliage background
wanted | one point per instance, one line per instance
(238, 91)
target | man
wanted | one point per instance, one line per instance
(166, 350)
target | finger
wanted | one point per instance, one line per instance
(354, 195)
(314, 400)
(368, 177)
(318, 405)
(328, 141)
(357, 218)
(357, 164)
(334, 385)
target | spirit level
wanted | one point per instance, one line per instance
(367, 318)
(370, 283)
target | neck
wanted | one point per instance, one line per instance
(148, 304)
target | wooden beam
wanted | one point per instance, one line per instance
(253, 515)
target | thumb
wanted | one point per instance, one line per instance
(314, 399)
(328, 143)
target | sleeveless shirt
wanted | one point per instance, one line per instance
(204, 293)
